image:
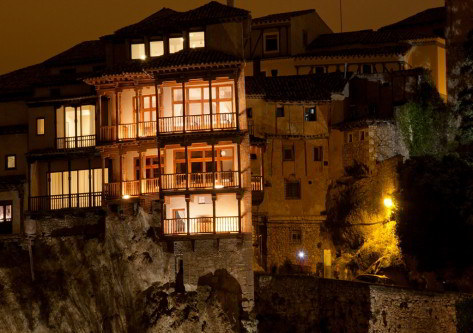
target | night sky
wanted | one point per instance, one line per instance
(32, 31)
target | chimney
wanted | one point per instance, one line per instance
(231, 3)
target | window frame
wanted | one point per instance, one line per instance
(249, 113)
(308, 117)
(280, 111)
(6, 161)
(44, 130)
(4, 221)
(143, 57)
(156, 41)
(176, 37)
(296, 240)
(202, 101)
(293, 153)
(293, 196)
(318, 152)
(265, 36)
(197, 31)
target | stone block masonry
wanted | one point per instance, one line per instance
(309, 304)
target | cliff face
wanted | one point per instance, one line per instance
(114, 280)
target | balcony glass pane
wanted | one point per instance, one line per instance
(8, 212)
(225, 107)
(195, 94)
(195, 109)
(225, 92)
(206, 93)
(176, 44)
(70, 122)
(2, 216)
(177, 95)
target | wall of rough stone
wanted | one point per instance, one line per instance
(308, 304)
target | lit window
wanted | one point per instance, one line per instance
(10, 162)
(292, 189)
(6, 217)
(196, 39)
(176, 44)
(288, 153)
(280, 111)
(40, 126)
(310, 114)
(156, 48)
(138, 51)
(271, 42)
(318, 154)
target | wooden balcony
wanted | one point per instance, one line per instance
(202, 225)
(170, 125)
(65, 201)
(256, 183)
(75, 142)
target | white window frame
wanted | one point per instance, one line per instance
(265, 35)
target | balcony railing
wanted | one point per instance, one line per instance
(256, 183)
(75, 142)
(223, 179)
(108, 133)
(127, 131)
(64, 201)
(147, 128)
(149, 186)
(131, 188)
(201, 225)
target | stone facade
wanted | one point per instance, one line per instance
(309, 304)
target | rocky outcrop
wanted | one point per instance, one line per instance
(115, 279)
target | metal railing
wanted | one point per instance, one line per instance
(64, 201)
(75, 142)
(257, 183)
(201, 225)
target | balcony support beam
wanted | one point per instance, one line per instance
(187, 167)
(89, 162)
(239, 211)
(184, 107)
(160, 188)
(156, 91)
(239, 163)
(210, 106)
(237, 101)
(117, 113)
(188, 199)
(214, 215)
(98, 114)
(138, 111)
(103, 180)
(120, 156)
(142, 169)
(213, 166)
(69, 179)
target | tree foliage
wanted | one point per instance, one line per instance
(426, 124)
(465, 97)
(435, 212)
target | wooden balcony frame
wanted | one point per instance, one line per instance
(201, 225)
(75, 142)
(65, 201)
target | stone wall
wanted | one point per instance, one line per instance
(309, 304)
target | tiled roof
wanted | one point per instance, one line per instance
(91, 51)
(431, 16)
(281, 17)
(184, 58)
(360, 51)
(15, 129)
(295, 88)
(168, 20)
(365, 37)
(21, 80)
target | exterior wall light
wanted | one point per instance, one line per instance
(388, 202)
(301, 255)
(126, 196)
(143, 57)
(218, 186)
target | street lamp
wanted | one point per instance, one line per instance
(388, 202)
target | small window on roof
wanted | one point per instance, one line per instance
(280, 111)
(10, 162)
(138, 51)
(176, 44)
(310, 114)
(156, 48)
(196, 39)
(271, 42)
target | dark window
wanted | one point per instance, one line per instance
(274, 72)
(362, 135)
(296, 236)
(271, 42)
(292, 189)
(98, 68)
(349, 138)
(253, 156)
(6, 217)
(319, 70)
(288, 153)
(10, 162)
(249, 113)
(367, 69)
(305, 38)
(55, 92)
(280, 111)
(318, 154)
(310, 114)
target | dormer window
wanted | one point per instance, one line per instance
(138, 51)
(271, 42)
(156, 48)
(176, 44)
(196, 39)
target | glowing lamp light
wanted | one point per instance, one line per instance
(143, 57)
(301, 255)
(126, 196)
(223, 153)
(388, 203)
(218, 186)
